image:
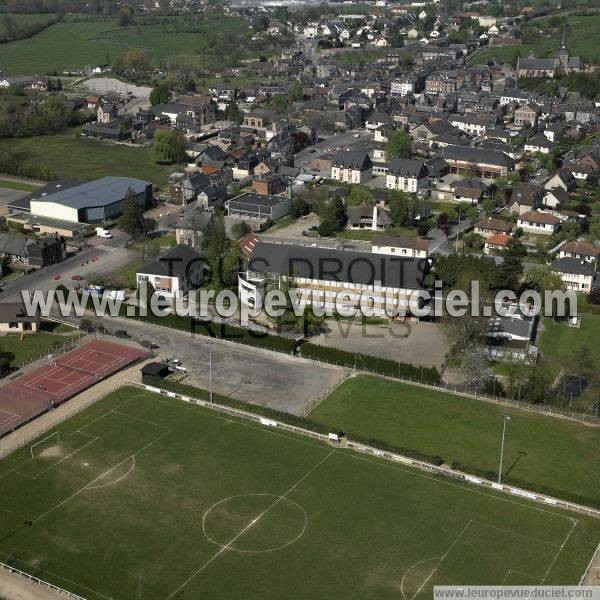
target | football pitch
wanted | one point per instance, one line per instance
(143, 496)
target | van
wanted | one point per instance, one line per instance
(103, 233)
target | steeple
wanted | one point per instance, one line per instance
(563, 54)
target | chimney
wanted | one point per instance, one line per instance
(374, 225)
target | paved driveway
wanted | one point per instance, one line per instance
(7, 196)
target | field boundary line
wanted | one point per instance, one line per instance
(249, 525)
(575, 523)
(595, 557)
(527, 537)
(520, 573)
(386, 455)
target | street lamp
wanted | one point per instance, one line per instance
(210, 347)
(506, 418)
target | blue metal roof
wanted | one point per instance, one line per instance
(100, 192)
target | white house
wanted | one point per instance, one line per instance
(577, 274)
(402, 87)
(395, 246)
(538, 222)
(351, 166)
(174, 273)
(581, 251)
(407, 175)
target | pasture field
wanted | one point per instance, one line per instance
(71, 157)
(582, 41)
(72, 44)
(540, 451)
(145, 496)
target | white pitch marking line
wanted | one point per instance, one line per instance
(575, 523)
(238, 535)
(442, 558)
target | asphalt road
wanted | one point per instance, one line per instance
(109, 255)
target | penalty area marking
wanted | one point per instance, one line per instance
(278, 498)
(117, 480)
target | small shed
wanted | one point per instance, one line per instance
(155, 369)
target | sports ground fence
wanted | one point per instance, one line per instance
(391, 456)
(40, 582)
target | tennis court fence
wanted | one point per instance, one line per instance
(40, 582)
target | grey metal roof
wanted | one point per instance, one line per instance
(250, 199)
(576, 266)
(100, 192)
(338, 265)
(478, 156)
(50, 188)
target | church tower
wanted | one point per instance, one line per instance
(563, 54)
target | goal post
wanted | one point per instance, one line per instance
(53, 437)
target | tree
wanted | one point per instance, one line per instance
(233, 113)
(216, 247)
(168, 147)
(511, 269)
(404, 208)
(299, 207)
(240, 229)
(359, 196)
(398, 145)
(132, 219)
(160, 93)
(231, 265)
(332, 215)
(295, 93)
(125, 16)
(543, 279)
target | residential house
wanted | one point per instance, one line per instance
(578, 275)
(407, 175)
(538, 144)
(496, 243)
(525, 197)
(268, 184)
(489, 164)
(14, 318)
(351, 166)
(106, 113)
(538, 222)
(193, 227)
(526, 116)
(368, 217)
(554, 197)
(581, 251)
(39, 252)
(174, 273)
(488, 227)
(389, 244)
(563, 178)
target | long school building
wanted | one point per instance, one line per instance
(320, 274)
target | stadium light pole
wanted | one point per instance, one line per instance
(210, 347)
(506, 418)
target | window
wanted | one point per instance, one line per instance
(13, 325)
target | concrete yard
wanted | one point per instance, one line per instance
(425, 344)
(268, 378)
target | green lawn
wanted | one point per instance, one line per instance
(32, 347)
(558, 341)
(71, 45)
(145, 496)
(69, 156)
(127, 274)
(560, 454)
(582, 41)
(17, 185)
(21, 19)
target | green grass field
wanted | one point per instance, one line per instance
(582, 41)
(21, 19)
(17, 185)
(73, 44)
(557, 453)
(69, 156)
(32, 346)
(142, 489)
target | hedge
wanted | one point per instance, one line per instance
(528, 485)
(284, 417)
(222, 331)
(383, 366)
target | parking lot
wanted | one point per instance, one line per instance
(279, 381)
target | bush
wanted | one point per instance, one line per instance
(383, 366)
(284, 417)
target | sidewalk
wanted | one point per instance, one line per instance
(92, 394)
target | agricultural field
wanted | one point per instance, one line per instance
(74, 43)
(582, 41)
(21, 19)
(145, 496)
(540, 451)
(69, 156)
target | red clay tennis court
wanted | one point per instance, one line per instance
(61, 378)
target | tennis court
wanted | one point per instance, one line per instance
(61, 378)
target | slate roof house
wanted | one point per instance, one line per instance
(489, 164)
(407, 175)
(34, 252)
(14, 318)
(351, 166)
(174, 273)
